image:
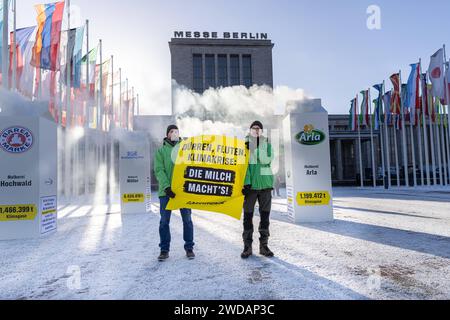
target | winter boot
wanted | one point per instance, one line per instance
(163, 256)
(248, 251)
(190, 254)
(263, 244)
(248, 240)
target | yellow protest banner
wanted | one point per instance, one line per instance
(209, 175)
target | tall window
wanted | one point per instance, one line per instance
(234, 70)
(198, 73)
(222, 70)
(210, 71)
(247, 70)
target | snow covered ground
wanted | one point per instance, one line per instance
(383, 245)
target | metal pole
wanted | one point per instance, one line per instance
(438, 144)
(405, 145)
(87, 172)
(14, 62)
(413, 149)
(100, 98)
(374, 175)
(425, 124)
(447, 112)
(361, 173)
(120, 99)
(5, 51)
(137, 104)
(387, 137)
(396, 152)
(443, 148)
(128, 107)
(432, 141)
(111, 111)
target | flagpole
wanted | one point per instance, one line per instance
(419, 138)
(14, 62)
(5, 49)
(128, 106)
(438, 142)
(111, 110)
(413, 149)
(405, 145)
(387, 137)
(432, 140)
(120, 98)
(68, 74)
(137, 104)
(396, 150)
(425, 128)
(88, 61)
(382, 139)
(132, 109)
(447, 112)
(442, 145)
(100, 98)
(374, 175)
(424, 123)
(361, 173)
(86, 175)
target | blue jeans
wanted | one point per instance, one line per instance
(164, 227)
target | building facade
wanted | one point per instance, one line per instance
(200, 64)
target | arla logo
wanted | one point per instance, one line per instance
(310, 136)
(16, 139)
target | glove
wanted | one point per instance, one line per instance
(170, 193)
(247, 189)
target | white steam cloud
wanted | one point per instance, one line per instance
(229, 110)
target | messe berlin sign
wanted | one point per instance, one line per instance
(217, 35)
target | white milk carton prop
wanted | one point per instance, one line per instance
(134, 173)
(28, 172)
(308, 164)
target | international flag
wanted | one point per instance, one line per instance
(378, 103)
(424, 88)
(436, 74)
(77, 57)
(23, 36)
(447, 83)
(364, 115)
(387, 107)
(395, 95)
(48, 35)
(413, 96)
(353, 119)
(91, 59)
(431, 108)
(67, 55)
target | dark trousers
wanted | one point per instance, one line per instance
(164, 227)
(264, 199)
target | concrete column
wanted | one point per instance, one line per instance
(241, 71)
(339, 160)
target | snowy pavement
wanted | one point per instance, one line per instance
(382, 245)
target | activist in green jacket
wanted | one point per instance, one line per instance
(258, 186)
(164, 165)
(259, 173)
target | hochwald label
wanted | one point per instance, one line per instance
(310, 136)
(16, 140)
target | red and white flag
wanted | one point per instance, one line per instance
(437, 74)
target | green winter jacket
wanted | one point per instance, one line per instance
(259, 173)
(163, 165)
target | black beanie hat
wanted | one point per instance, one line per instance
(257, 123)
(171, 127)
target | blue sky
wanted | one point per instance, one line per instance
(323, 47)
